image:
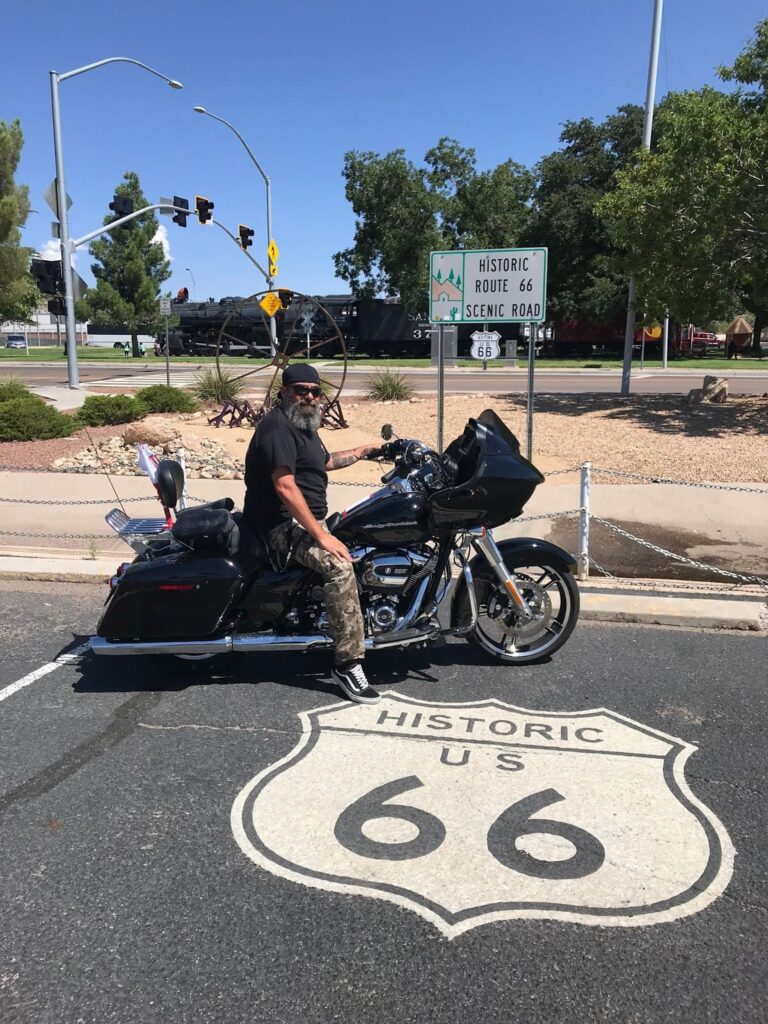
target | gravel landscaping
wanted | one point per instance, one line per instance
(655, 435)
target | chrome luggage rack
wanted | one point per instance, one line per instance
(138, 532)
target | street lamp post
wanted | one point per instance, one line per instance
(268, 184)
(61, 201)
(194, 283)
(650, 98)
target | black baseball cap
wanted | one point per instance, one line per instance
(300, 373)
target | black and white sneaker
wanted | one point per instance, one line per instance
(352, 681)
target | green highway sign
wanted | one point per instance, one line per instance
(471, 286)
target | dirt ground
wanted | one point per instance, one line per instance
(654, 435)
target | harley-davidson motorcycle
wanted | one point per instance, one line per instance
(204, 585)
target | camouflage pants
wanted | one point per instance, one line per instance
(291, 542)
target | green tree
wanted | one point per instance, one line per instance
(403, 212)
(583, 279)
(18, 294)
(691, 217)
(129, 270)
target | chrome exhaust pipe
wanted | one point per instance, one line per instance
(220, 645)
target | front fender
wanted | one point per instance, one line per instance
(518, 551)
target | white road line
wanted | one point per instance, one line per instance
(64, 659)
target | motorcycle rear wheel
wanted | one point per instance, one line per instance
(551, 592)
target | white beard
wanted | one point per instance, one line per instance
(306, 418)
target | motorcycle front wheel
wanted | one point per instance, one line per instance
(550, 592)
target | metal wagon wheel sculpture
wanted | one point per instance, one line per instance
(247, 327)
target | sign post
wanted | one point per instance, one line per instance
(532, 331)
(440, 386)
(487, 286)
(165, 310)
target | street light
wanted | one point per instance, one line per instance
(61, 199)
(194, 283)
(268, 184)
(650, 98)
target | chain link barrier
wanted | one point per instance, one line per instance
(626, 474)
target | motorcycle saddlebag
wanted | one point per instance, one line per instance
(207, 529)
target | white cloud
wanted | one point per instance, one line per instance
(161, 236)
(52, 251)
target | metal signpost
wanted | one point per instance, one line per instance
(165, 310)
(485, 346)
(307, 323)
(482, 286)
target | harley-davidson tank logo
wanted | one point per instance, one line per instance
(479, 812)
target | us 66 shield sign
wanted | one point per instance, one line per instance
(471, 286)
(471, 813)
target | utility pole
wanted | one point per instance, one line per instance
(650, 98)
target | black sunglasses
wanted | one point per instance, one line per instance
(307, 389)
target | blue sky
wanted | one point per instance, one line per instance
(306, 80)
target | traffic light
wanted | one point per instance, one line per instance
(246, 235)
(203, 207)
(56, 307)
(179, 217)
(285, 295)
(121, 206)
(47, 276)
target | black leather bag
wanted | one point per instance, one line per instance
(207, 529)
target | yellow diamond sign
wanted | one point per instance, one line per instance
(273, 270)
(270, 303)
(272, 251)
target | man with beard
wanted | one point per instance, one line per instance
(286, 480)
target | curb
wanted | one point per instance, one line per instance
(655, 602)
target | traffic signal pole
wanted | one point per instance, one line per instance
(650, 99)
(73, 375)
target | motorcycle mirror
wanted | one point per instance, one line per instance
(387, 432)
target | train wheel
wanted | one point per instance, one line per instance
(246, 332)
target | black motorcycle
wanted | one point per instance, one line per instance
(205, 585)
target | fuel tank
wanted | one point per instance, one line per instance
(386, 517)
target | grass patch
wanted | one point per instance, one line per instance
(210, 388)
(389, 386)
(12, 387)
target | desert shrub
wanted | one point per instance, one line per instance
(389, 386)
(30, 419)
(212, 389)
(104, 410)
(12, 387)
(161, 398)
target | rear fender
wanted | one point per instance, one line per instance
(518, 551)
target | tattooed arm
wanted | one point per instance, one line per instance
(340, 460)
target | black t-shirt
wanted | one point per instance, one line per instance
(277, 442)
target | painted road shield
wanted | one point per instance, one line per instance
(478, 812)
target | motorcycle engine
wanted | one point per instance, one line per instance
(387, 582)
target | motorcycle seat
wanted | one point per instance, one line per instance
(252, 554)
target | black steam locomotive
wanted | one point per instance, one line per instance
(372, 327)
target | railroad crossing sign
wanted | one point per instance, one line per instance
(471, 813)
(485, 344)
(479, 285)
(272, 251)
(270, 303)
(307, 322)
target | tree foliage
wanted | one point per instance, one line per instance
(404, 211)
(129, 270)
(18, 294)
(692, 215)
(583, 279)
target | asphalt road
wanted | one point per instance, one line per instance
(126, 897)
(425, 381)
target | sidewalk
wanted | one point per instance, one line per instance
(72, 542)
